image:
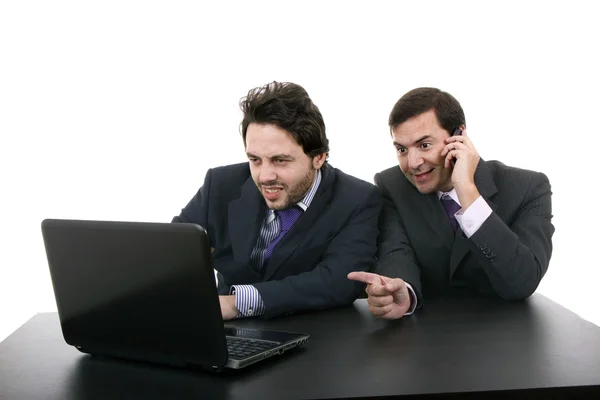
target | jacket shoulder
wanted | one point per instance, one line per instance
(391, 172)
(392, 176)
(230, 175)
(506, 175)
(232, 170)
(349, 183)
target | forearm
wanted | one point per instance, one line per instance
(196, 210)
(326, 286)
(516, 255)
(248, 301)
(414, 302)
(514, 270)
(397, 264)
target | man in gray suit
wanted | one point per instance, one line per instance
(451, 222)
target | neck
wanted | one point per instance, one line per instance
(312, 183)
(446, 188)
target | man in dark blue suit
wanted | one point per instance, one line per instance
(286, 227)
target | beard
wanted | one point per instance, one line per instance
(292, 194)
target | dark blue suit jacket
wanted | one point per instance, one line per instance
(308, 269)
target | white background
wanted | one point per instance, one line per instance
(116, 109)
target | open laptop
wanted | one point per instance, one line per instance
(146, 291)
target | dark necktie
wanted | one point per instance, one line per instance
(287, 219)
(451, 208)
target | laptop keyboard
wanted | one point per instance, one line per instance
(240, 348)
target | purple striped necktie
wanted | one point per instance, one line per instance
(287, 219)
(451, 208)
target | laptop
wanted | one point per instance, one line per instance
(146, 291)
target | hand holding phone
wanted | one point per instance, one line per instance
(460, 153)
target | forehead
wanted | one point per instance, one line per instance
(414, 128)
(268, 140)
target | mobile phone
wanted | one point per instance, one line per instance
(457, 132)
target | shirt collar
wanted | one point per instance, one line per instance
(305, 202)
(452, 195)
(310, 195)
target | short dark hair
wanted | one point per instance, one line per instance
(448, 111)
(287, 106)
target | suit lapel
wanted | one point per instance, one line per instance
(427, 208)
(246, 215)
(290, 242)
(433, 212)
(487, 188)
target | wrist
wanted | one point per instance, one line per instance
(234, 309)
(230, 310)
(467, 194)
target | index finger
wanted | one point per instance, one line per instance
(366, 277)
(459, 138)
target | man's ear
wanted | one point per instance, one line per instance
(319, 160)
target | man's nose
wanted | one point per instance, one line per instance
(414, 160)
(267, 174)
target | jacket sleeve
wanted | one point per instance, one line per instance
(516, 257)
(196, 211)
(327, 285)
(395, 255)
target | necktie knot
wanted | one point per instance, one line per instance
(451, 207)
(288, 217)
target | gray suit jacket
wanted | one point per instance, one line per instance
(508, 255)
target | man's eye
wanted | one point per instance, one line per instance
(401, 150)
(426, 145)
(280, 161)
(253, 160)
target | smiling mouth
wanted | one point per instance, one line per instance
(423, 174)
(272, 190)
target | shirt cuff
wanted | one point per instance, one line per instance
(471, 219)
(413, 299)
(248, 301)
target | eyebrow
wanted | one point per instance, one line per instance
(416, 141)
(274, 157)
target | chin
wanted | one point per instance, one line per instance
(277, 205)
(426, 189)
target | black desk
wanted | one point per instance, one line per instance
(452, 346)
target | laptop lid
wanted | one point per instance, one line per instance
(136, 290)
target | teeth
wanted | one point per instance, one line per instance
(272, 190)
